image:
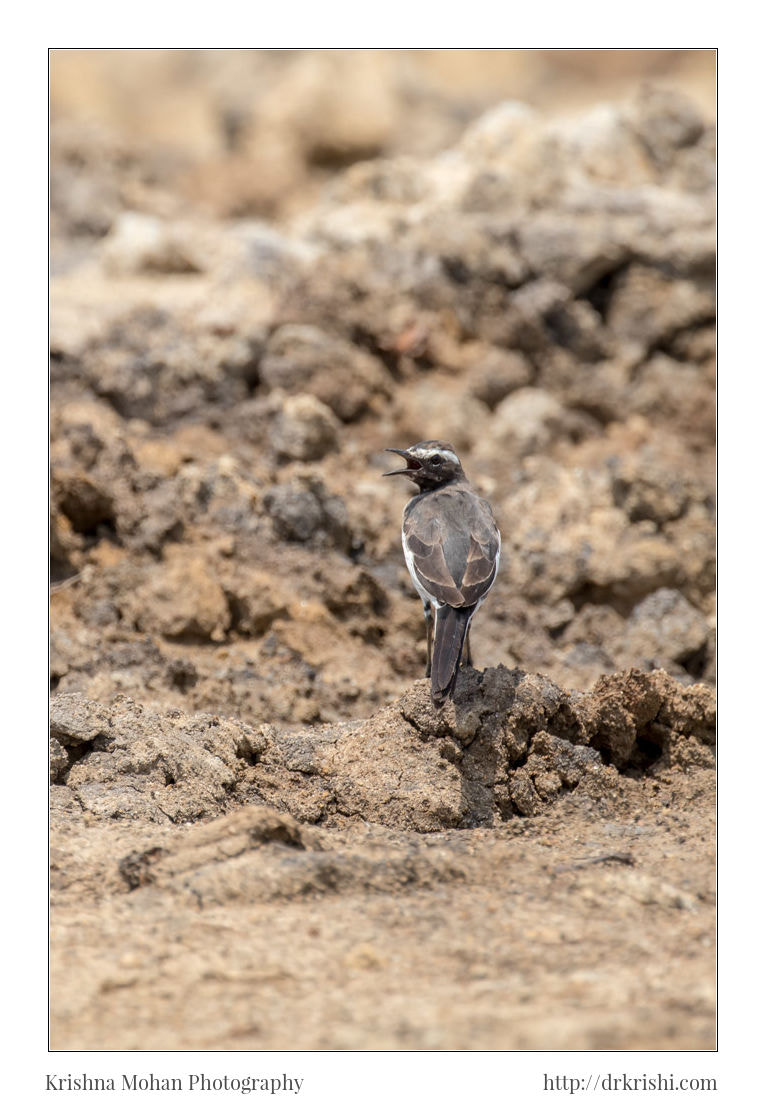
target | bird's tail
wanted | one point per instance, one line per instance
(449, 637)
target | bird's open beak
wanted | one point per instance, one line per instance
(409, 469)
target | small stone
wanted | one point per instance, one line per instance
(498, 373)
(528, 420)
(300, 358)
(664, 627)
(304, 511)
(58, 759)
(139, 243)
(75, 720)
(83, 501)
(305, 429)
(182, 600)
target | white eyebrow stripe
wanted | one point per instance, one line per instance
(429, 452)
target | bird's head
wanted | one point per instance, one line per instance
(429, 464)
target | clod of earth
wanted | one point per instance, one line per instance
(511, 744)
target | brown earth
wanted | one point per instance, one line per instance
(263, 835)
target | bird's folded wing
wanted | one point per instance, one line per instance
(431, 568)
(430, 565)
(480, 569)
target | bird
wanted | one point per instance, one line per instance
(451, 545)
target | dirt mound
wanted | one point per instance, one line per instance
(510, 744)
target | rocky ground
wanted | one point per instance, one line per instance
(263, 835)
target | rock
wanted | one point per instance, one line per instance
(74, 720)
(162, 365)
(562, 517)
(473, 249)
(665, 122)
(437, 407)
(139, 243)
(598, 625)
(160, 519)
(260, 855)
(553, 764)
(160, 767)
(332, 127)
(83, 501)
(256, 599)
(57, 758)
(576, 253)
(647, 487)
(86, 197)
(605, 146)
(688, 710)
(626, 717)
(303, 510)
(304, 359)
(352, 593)
(664, 628)
(64, 545)
(182, 674)
(182, 600)
(222, 495)
(647, 307)
(497, 373)
(528, 421)
(493, 134)
(616, 711)
(672, 391)
(305, 429)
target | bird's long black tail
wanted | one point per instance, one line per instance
(449, 637)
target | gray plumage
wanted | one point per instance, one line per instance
(452, 547)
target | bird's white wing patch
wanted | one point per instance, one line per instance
(410, 561)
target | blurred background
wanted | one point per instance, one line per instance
(268, 266)
(257, 133)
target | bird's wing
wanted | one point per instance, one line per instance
(480, 571)
(426, 558)
(453, 545)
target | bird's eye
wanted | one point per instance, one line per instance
(436, 460)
